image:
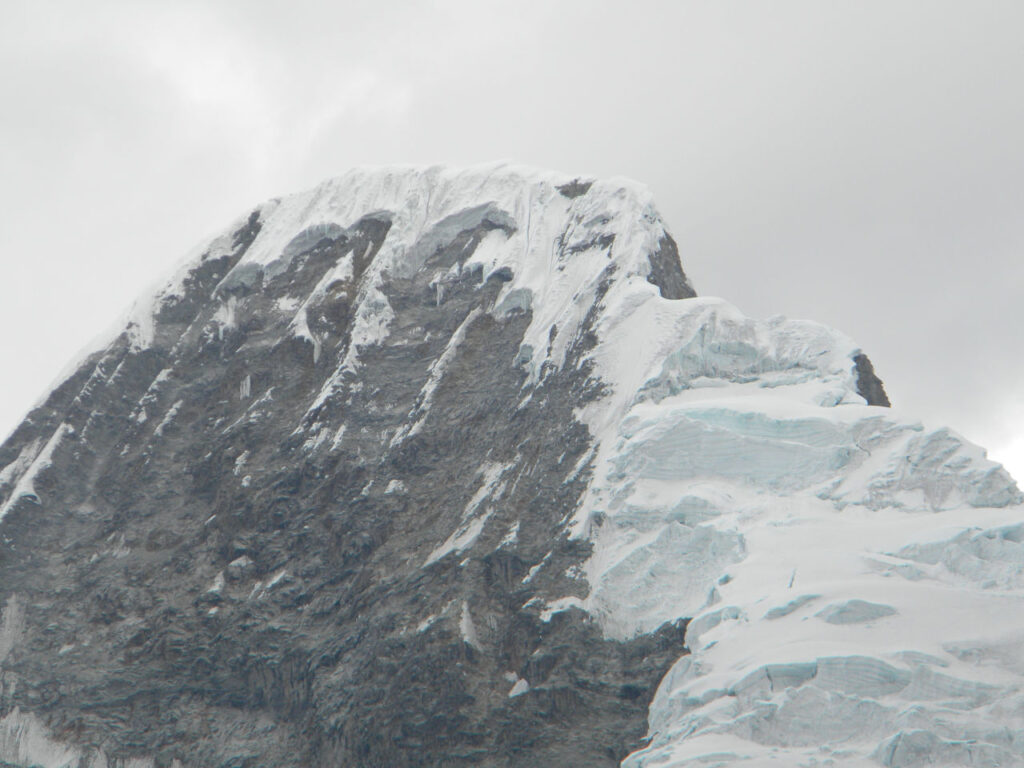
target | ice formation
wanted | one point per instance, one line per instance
(853, 578)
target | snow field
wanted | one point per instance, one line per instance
(853, 578)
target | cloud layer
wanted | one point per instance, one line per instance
(857, 164)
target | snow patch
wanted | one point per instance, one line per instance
(467, 628)
(473, 520)
(518, 688)
(561, 605)
(436, 373)
(225, 316)
(534, 570)
(168, 418)
(25, 740)
(24, 487)
(511, 537)
(12, 627)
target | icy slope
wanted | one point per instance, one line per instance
(854, 579)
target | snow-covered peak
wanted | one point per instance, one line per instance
(553, 237)
(416, 199)
(495, 388)
(423, 205)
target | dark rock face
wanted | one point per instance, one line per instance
(214, 566)
(667, 271)
(869, 386)
(575, 188)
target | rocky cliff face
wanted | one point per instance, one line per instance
(438, 467)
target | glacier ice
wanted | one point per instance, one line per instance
(854, 612)
(844, 567)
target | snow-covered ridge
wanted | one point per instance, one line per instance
(853, 577)
(553, 237)
(556, 239)
(710, 407)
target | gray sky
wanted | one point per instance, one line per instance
(856, 163)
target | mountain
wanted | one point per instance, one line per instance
(452, 467)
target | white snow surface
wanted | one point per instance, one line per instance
(854, 578)
(427, 208)
(476, 514)
(28, 465)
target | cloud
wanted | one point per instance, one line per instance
(855, 164)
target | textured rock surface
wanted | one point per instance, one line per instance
(432, 467)
(224, 533)
(869, 386)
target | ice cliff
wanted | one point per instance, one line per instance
(439, 466)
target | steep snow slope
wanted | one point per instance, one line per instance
(431, 466)
(853, 578)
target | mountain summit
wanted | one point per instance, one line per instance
(452, 467)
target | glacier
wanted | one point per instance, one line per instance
(851, 578)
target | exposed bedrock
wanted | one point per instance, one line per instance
(869, 386)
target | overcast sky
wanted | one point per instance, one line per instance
(856, 163)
